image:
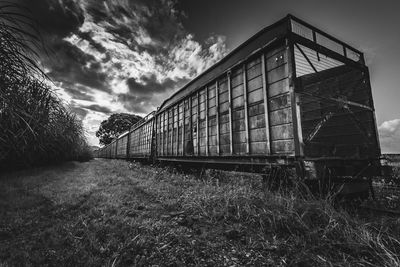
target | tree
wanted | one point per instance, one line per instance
(115, 125)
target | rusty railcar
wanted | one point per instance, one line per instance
(291, 96)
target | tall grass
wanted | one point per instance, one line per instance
(291, 227)
(35, 127)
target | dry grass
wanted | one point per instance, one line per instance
(105, 212)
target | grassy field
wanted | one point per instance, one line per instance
(115, 213)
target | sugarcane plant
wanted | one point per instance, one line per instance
(35, 125)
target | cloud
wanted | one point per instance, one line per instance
(80, 112)
(141, 48)
(98, 108)
(92, 122)
(138, 105)
(77, 91)
(148, 85)
(120, 56)
(56, 18)
(73, 66)
(389, 133)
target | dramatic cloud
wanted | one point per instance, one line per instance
(56, 18)
(120, 56)
(77, 91)
(98, 108)
(389, 133)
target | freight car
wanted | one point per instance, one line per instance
(291, 96)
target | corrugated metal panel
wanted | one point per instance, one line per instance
(141, 140)
(281, 128)
(307, 59)
(121, 148)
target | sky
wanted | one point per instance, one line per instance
(109, 56)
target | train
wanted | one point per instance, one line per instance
(290, 97)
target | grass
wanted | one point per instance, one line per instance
(115, 213)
